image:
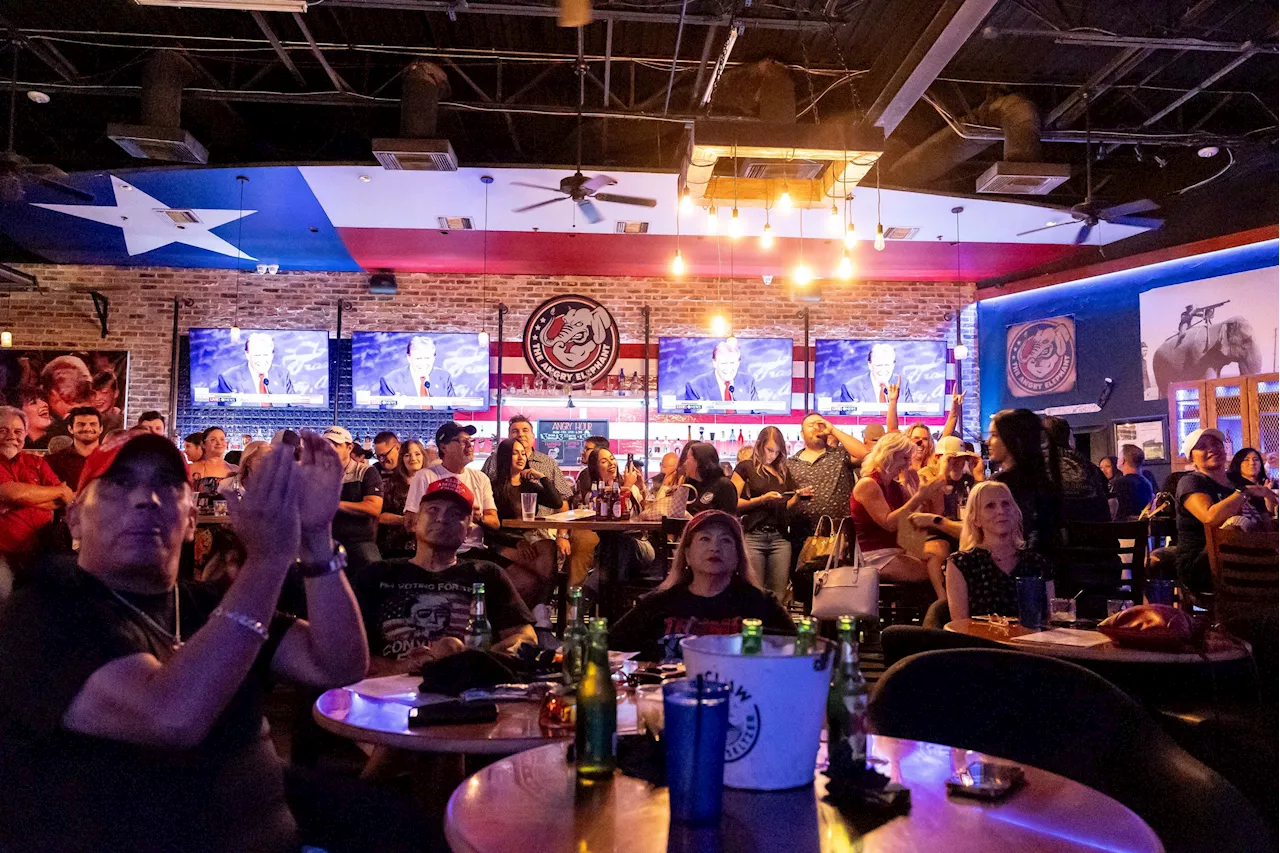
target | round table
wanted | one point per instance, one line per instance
(376, 711)
(1219, 648)
(533, 795)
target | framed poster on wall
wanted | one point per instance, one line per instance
(48, 383)
(1148, 433)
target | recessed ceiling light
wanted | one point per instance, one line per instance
(38, 97)
(1208, 151)
(364, 179)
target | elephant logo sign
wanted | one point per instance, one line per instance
(1041, 357)
(571, 339)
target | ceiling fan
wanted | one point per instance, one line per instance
(583, 190)
(1089, 212)
(17, 171)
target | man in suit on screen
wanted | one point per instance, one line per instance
(723, 381)
(420, 377)
(873, 386)
(259, 374)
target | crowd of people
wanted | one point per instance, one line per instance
(343, 563)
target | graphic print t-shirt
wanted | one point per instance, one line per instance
(405, 606)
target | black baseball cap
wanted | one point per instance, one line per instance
(449, 430)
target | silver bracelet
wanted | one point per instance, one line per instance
(243, 620)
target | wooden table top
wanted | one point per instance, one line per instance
(533, 795)
(597, 524)
(1219, 647)
(383, 719)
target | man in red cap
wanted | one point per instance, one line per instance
(132, 717)
(416, 609)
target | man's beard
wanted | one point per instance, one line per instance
(9, 451)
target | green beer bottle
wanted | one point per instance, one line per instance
(847, 706)
(575, 638)
(479, 633)
(806, 636)
(752, 637)
(597, 708)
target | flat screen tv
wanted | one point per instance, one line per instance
(260, 368)
(714, 376)
(850, 377)
(420, 371)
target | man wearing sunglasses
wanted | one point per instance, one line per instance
(456, 451)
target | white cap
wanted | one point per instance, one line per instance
(1190, 442)
(338, 435)
(953, 445)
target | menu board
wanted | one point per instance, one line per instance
(562, 440)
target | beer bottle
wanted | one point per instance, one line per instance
(806, 636)
(618, 498)
(575, 638)
(847, 705)
(479, 633)
(752, 637)
(595, 739)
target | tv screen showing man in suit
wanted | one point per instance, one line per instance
(720, 375)
(418, 370)
(259, 367)
(853, 377)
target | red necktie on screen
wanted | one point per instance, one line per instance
(884, 397)
(262, 385)
(423, 390)
(728, 394)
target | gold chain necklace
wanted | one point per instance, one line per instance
(175, 636)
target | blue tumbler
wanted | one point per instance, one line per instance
(695, 724)
(1031, 602)
(1159, 591)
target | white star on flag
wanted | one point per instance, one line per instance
(146, 226)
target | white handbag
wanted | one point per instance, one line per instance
(846, 590)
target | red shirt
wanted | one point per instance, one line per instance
(871, 536)
(20, 524)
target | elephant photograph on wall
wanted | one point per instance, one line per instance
(1208, 329)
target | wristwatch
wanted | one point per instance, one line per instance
(336, 563)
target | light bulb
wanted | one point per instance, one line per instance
(961, 352)
(849, 242)
(845, 269)
(713, 219)
(735, 225)
(879, 243)
(719, 325)
(784, 201)
(686, 202)
(235, 333)
(6, 339)
(835, 221)
(766, 237)
(677, 264)
(802, 275)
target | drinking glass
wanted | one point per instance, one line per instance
(528, 505)
(695, 725)
(1062, 611)
(1118, 605)
(1160, 591)
(649, 708)
(1031, 602)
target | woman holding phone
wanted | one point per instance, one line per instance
(766, 495)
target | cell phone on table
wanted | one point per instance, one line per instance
(986, 780)
(453, 712)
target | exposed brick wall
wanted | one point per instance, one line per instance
(60, 313)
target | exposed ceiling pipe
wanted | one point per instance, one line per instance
(163, 80)
(1019, 121)
(423, 87)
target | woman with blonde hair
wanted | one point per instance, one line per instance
(880, 503)
(981, 575)
(763, 508)
(709, 590)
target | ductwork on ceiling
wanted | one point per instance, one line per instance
(1020, 170)
(160, 136)
(417, 148)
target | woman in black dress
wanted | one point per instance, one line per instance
(1017, 445)
(981, 575)
(711, 488)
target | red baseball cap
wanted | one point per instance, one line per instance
(126, 446)
(450, 488)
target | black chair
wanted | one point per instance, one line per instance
(1060, 717)
(937, 616)
(901, 641)
(1092, 561)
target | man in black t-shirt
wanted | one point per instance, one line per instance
(1131, 490)
(417, 609)
(131, 715)
(355, 526)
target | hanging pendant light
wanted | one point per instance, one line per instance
(735, 225)
(766, 237)
(677, 264)
(835, 222)
(961, 352)
(879, 241)
(686, 202)
(784, 200)
(845, 269)
(850, 242)
(713, 219)
(235, 323)
(719, 325)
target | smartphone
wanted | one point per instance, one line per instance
(452, 713)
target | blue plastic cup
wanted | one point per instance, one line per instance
(695, 724)
(1160, 591)
(1031, 602)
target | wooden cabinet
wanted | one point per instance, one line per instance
(1245, 408)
